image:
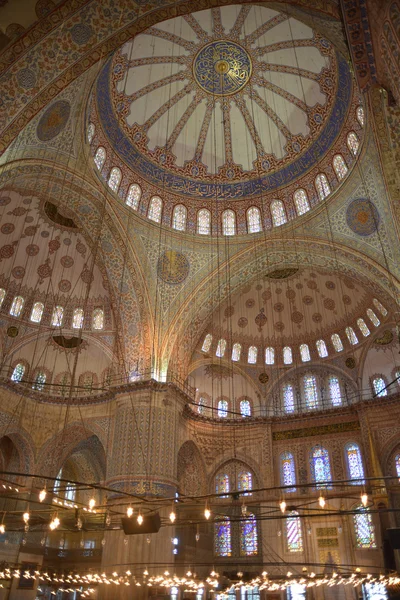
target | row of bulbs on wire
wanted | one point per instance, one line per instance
(322, 502)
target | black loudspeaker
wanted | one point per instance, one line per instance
(394, 537)
(151, 524)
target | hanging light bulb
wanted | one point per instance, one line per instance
(108, 518)
(140, 518)
(207, 512)
(364, 499)
(172, 515)
(54, 523)
(92, 503)
(26, 517)
(2, 528)
(42, 495)
(129, 511)
(321, 501)
(282, 506)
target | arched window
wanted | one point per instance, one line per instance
(155, 209)
(98, 318)
(57, 316)
(278, 213)
(335, 393)
(228, 222)
(355, 464)
(301, 202)
(37, 312)
(294, 536)
(379, 387)
(287, 355)
(174, 593)
(204, 222)
(207, 343)
(40, 380)
(322, 349)
(77, 319)
(380, 307)
(222, 484)
(364, 528)
(254, 220)
(2, 296)
(201, 407)
(222, 537)
(305, 353)
(17, 306)
(236, 350)
(100, 158)
(179, 217)
(245, 482)
(397, 465)
(248, 536)
(363, 327)
(372, 317)
(133, 196)
(114, 179)
(360, 115)
(90, 132)
(310, 391)
(252, 355)
(351, 336)
(18, 373)
(222, 409)
(245, 408)
(340, 166)
(337, 342)
(221, 347)
(296, 591)
(320, 467)
(353, 143)
(269, 356)
(288, 397)
(288, 471)
(322, 185)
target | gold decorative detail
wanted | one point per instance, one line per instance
(328, 543)
(263, 378)
(173, 267)
(12, 331)
(326, 531)
(281, 273)
(222, 68)
(291, 434)
(350, 362)
(385, 338)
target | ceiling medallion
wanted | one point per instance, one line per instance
(173, 267)
(350, 362)
(12, 331)
(222, 68)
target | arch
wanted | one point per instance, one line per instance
(248, 536)
(288, 471)
(221, 347)
(179, 217)
(337, 342)
(301, 202)
(253, 216)
(204, 222)
(77, 318)
(269, 356)
(245, 407)
(305, 353)
(23, 444)
(322, 186)
(228, 222)
(360, 115)
(351, 336)
(114, 179)
(90, 132)
(57, 316)
(207, 343)
(17, 306)
(236, 351)
(252, 355)
(353, 143)
(340, 167)
(190, 470)
(133, 196)
(294, 535)
(278, 213)
(155, 209)
(37, 312)
(364, 530)
(320, 467)
(355, 467)
(322, 349)
(287, 355)
(98, 319)
(222, 408)
(223, 537)
(100, 157)
(241, 474)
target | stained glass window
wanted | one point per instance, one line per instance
(133, 196)
(115, 179)
(353, 143)
(397, 465)
(335, 393)
(40, 380)
(155, 209)
(278, 213)
(100, 158)
(294, 536)
(269, 356)
(236, 350)
(305, 353)
(222, 484)
(322, 349)
(351, 336)
(37, 312)
(322, 185)
(364, 528)
(320, 466)
(222, 408)
(296, 591)
(340, 166)
(179, 217)
(310, 391)
(57, 316)
(253, 593)
(287, 355)
(301, 202)
(245, 408)
(374, 591)
(372, 317)
(379, 386)
(228, 222)
(360, 115)
(70, 492)
(355, 464)
(2, 295)
(17, 306)
(204, 222)
(254, 220)
(363, 327)
(252, 355)
(221, 347)
(98, 318)
(248, 536)
(288, 397)
(245, 482)
(380, 307)
(77, 319)
(337, 342)
(288, 471)
(90, 132)
(222, 537)
(201, 407)
(18, 373)
(207, 343)
(174, 593)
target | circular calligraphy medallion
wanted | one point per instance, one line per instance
(222, 68)
(362, 217)
(173, 267)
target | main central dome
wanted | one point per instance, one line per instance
(222, 68)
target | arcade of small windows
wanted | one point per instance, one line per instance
(235, 477)
(223, 408)
(311, 393)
